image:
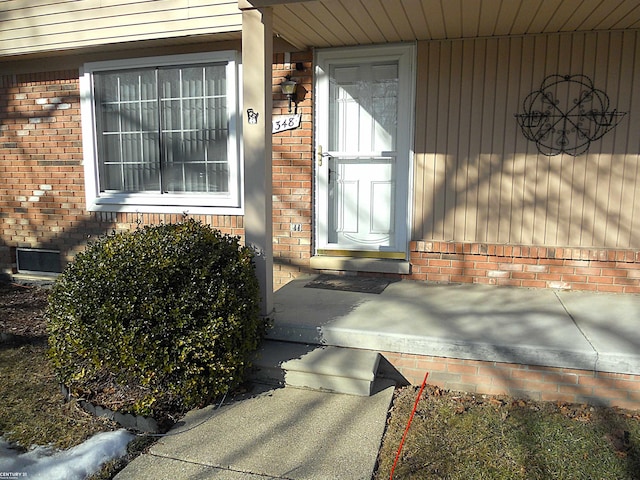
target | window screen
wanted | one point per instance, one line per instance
(163, 130)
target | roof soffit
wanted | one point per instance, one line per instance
(332, 23)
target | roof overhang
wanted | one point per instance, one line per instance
(334, 23)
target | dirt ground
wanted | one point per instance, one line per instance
(22, 311)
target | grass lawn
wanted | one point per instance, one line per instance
(31, 404)
(462, 436)
(453, 435)
(32, 408)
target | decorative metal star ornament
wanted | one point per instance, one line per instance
(566, 114)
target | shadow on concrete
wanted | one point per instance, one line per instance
(534, 328)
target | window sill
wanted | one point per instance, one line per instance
(169, 209)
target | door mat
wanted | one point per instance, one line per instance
(350, 284)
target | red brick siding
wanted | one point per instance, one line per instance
(593, 269)
(292, 173)
(523, 381)
(42, 199)
(42, 203)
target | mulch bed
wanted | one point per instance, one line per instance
(23, 321)
(22, 312)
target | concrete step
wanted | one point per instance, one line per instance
(333, 369)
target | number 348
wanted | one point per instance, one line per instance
(285, 122)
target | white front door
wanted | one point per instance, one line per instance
(363, 132)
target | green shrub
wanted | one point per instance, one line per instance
(160, 319)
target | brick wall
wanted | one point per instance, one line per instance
(522, 381)
(42, 202)
(592, 269)
(41, 183)
(292, 172)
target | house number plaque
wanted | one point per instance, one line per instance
(286, 122)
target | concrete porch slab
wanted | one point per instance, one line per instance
(476, 322)
(611, 324)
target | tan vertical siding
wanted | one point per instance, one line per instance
(27, 26)
(478, 179)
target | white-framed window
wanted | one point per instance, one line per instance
(160, 134)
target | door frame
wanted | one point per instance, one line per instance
(405, 54)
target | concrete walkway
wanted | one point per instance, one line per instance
(281, 433)
(287, 433)
(589, 331)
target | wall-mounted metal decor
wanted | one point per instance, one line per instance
(566, 114)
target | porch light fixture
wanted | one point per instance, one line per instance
(288, 87)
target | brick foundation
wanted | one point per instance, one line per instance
(522, 381)
(592, 269)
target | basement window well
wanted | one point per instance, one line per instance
(38, 261)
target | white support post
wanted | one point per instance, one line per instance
(257, 57)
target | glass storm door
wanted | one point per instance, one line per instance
(363, 149)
